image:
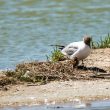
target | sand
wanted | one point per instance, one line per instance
(65, 91)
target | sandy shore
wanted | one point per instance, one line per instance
(63, 91)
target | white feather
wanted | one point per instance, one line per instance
(76, 49)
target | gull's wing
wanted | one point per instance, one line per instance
(70, 49)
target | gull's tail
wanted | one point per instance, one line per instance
(59, 46)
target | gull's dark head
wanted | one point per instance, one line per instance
(87, 40)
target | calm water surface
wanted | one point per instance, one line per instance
(97, 105)
(28, 27)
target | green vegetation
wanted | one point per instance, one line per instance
(56, 55)
(102, 43)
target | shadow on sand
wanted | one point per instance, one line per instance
(96, 69)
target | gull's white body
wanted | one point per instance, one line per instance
(77, 49)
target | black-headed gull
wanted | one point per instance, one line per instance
(79, 50)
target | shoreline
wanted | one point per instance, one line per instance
(89, 84)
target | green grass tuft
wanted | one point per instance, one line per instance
(56, 55)
(102, 43)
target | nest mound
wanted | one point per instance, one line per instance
(42, 72)
(49, 71)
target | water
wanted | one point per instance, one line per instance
(28, 27)
(96, 105)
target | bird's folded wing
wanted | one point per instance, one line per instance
(69, 50)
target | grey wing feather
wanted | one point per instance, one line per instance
(71, 50)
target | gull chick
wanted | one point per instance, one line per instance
(79, 50)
